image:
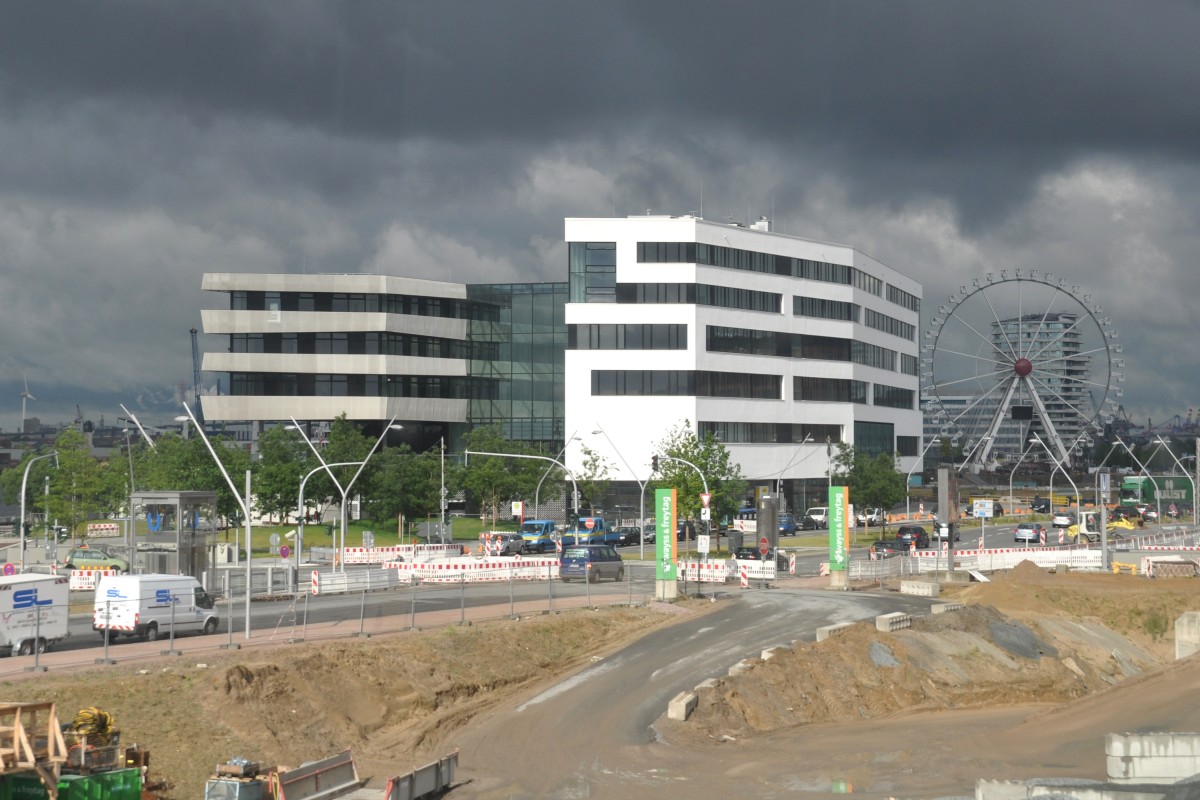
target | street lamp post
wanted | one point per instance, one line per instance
(300, 505)
(908, 479)
(537, 492)
(641, 488)
(1146, 472)
(244, 504)
(1183, 470)
(1029, 446)
(345, 491)
(1057, 466)
(24, 481)
(575, 487)
(707, 522)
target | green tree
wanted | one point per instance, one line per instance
(186, 465)
(403, 482)
(712, 458)
(493, 481)
(76, 488)
(592, 477)
(284, 460)
(10, 481)
(874, 481)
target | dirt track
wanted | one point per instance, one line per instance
(918, 713)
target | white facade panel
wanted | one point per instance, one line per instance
(353, 283)
(223, 321)
(635, 423)
(254, 408)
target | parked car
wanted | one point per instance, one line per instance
(787, 524)
(1029, 532)
(870, 517)
(590, 562)
(820, 515)
(807, 523)
(1150, 514)
(940, 535)
(1124, 512)
(504, 544)
(910, 534)
(749, 553)
(1040, 505)
(94, 557)
(887, 548)
(630, 534)
(650, 533)
(1062, 519)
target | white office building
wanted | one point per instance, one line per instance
(780, 346)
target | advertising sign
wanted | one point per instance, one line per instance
(664, 534)
(839, 521)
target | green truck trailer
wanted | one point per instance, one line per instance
(1152, 489)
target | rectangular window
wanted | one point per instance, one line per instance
(685, 383)
(821, 308)
(893, 396)
(873, 438)
(908, 445)
(829, 390)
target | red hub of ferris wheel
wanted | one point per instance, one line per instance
(1023, 367)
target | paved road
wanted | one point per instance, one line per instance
(582, 737)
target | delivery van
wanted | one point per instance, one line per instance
(33, 612)
(147, 606)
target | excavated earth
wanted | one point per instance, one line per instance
(1024, 680)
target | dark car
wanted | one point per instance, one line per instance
(629, 535)
(910, 534)
(807, 523)
(887, 548)
(751, 554)
(1124, 512)
(1041, 505)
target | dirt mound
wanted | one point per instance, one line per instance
(1060, 636)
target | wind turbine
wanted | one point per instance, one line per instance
(25, 395)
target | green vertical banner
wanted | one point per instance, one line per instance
(839, 524)
(664, 534)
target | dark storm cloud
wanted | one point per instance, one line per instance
(147, 142)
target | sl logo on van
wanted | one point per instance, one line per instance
(28, 598)
(164, 596)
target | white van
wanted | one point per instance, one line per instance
(820, 515)
(33, 612)
(147, 605)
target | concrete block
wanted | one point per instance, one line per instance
(893, 622)
(711, 683)
(741, 666)
(1187, 634)
(681, 706)
(771, 652)
(1138, 745)
(825, 632)
(1001, 790)
(920, 588)
(942, 608)
(1151, 757)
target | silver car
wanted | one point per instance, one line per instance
(1062, 519)
(1029, 532)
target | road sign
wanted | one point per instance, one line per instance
(274, 539)
(705, 514)
(702, 545)
(589, 523)
(284, 552)
(10, 569)
(764, 546)
(705, 498)
(983, 509)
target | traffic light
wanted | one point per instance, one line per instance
(654, 463)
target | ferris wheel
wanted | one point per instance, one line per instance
(1017, 355)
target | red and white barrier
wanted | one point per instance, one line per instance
(85, 580)
(744, 574)
(100, 530)
(475, 570)
(704, 571)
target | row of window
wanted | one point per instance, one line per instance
(821, 308)
(771, 264)
(704, 383)
(360, 302)
(701, 294)
(771, 432)
(797, 345)
(278, 384)
(373, 343)
(882, 322)
(627, 337)
(684, 383)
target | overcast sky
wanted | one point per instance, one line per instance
(145, 143)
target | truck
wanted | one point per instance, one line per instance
(1144, 489)
(33, 612)
(538, 535)
(150, 606)
(592, 530)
